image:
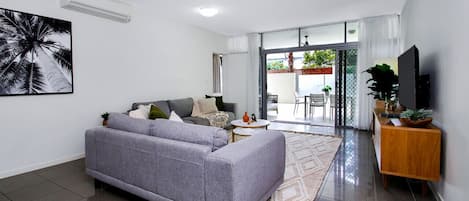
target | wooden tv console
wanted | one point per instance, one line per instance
(406, 152)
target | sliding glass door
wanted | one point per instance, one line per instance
(308, 75)
(309, 86)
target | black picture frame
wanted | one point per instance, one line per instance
(43, 67)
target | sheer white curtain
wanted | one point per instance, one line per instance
(217, 74)
(378, 42)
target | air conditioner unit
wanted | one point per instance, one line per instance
(110, 9)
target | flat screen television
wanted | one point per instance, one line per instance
(413, 87)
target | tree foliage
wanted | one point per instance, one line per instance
(22, 36)
(318, 58)
(276, 65)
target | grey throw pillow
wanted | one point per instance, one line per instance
(182, 107)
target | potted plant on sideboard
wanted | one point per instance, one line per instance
(416, 118)
(383, 84)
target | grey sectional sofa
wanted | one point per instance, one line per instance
(164, 160)
(183, 107)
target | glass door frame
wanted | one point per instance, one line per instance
(263, 67)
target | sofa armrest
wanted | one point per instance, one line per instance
(247, 170)
(90, 149)
(230, 107)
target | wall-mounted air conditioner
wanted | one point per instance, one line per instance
(110, 9)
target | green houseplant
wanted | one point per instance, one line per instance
(416, 118)
(327, 89)
(105, 117)
(383, 83)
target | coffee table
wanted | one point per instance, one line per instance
(245, 129)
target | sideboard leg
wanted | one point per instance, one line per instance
(385, 181)
(424, 188)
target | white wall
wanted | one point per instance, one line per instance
(283, 85)
(235, 81)
(115, 64)
(440, 30)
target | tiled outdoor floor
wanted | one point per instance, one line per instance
(353, 176)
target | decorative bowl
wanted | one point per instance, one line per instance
(421, 123)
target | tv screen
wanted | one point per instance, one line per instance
(409, 78)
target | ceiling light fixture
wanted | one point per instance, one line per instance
(208, 12)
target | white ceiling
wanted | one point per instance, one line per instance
(238, 17)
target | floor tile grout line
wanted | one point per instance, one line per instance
(411, 191)
(5, 196)
(59, 185)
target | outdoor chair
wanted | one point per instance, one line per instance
(298, 100)
(317, 100)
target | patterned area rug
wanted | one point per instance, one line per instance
(309, 157)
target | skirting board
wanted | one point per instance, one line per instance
(39, 166)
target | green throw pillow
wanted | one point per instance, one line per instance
(218, 102)
(156, 113)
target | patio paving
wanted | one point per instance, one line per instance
(286, 114)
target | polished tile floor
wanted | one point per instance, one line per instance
(352, 176)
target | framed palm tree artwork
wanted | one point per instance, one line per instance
(35, 54)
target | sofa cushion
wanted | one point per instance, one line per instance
(197, 120)
(213, 137)
(125, 123)
(182, 107)
(163, 105)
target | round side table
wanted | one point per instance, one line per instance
(248, 129)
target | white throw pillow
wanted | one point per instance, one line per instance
(175, 117)
(138, 114)
(208, 105)
(145, 109)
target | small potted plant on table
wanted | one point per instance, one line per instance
(105, 117)
(416, 118)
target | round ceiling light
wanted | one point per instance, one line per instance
(208, 12)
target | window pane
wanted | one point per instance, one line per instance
(352, 31)
(329, 34)
(280, 39)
